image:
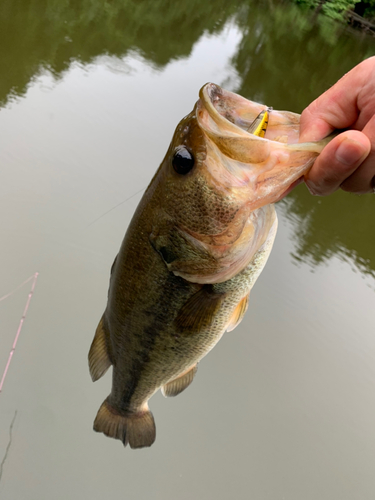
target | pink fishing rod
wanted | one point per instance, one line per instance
(35, 276)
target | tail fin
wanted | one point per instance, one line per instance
(137, 429)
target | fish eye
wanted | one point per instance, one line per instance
(183, 160)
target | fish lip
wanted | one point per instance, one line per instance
(224, 117)
(212, 94)
(209, 94)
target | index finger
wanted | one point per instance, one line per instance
(338, 107)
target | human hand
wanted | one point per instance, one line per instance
(348, 161)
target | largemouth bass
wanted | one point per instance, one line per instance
(197, 242)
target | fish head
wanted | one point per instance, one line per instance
(217, 182)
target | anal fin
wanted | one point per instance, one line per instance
(238, 314)
(99, 361)
(180, 383)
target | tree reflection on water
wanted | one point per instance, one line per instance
(286, 58)
(337, 224)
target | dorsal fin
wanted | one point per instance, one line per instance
(99, 360)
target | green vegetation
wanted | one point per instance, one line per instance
(288, 68)
(339, 9)
(367, 9)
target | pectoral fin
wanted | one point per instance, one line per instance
(180, 383)
(99, 360)
(199, 311)
(238, 314)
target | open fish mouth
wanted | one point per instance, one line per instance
(235, 114)
(268, 162)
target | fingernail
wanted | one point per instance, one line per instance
(350, 152)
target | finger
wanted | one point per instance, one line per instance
(361, 181)
(338, 160)
(339, 106)
(312, 127)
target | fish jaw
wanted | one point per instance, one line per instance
(267, 166)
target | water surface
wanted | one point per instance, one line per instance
(283, 407)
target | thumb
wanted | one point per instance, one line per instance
(338, 160)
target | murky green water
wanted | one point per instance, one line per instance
(284, 407)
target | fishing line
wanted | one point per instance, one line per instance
(19, 286)
(35, 276)
(9, 445)
(113, 208)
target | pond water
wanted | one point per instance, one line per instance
(284, 406)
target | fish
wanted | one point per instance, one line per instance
(197, 242)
